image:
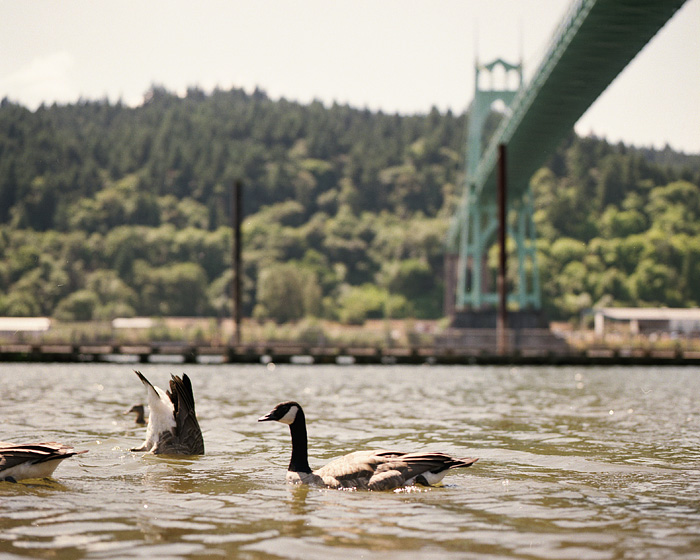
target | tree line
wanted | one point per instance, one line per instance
(108, 210)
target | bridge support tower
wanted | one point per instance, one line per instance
(470, 286)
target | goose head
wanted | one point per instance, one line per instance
(285, 412)
(290, 413)
(140, 413)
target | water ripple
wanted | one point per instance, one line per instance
(574, 463)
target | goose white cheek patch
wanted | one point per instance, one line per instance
(290, 416)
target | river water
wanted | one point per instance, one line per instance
(575, 462)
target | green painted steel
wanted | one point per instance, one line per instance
(475, 225)
(594, 42)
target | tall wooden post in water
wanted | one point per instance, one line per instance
(236, 217)
(501, 322)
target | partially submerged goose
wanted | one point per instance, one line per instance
(140, 411)
(172, 424)
(32, 460)
(366, 470)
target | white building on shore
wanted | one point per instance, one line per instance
(645, 320)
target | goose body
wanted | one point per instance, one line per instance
(172, 424)
(365, 470)
(32, 460)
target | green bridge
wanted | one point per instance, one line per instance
(594, 43)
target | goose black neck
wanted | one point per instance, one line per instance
(300, 446)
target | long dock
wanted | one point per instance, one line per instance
(296, 353)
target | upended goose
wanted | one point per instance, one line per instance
(172, 424)
(32, 460)
(366, 470)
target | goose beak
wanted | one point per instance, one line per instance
(268, 417)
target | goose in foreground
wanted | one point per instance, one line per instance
(140, 413)
(172, 424)
(365, 470)
(32, 460)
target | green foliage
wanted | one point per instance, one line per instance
(616, 223)
(566, 250)
(359, 303)
(286, 293)
(19, 304)
(652, 280)
(178, 289)
(414, 280)
(78, 306)
(108, 211)
(675, 208)
(623, 232)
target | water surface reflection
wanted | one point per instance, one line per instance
(575, 463)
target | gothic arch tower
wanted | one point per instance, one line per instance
(473, 230)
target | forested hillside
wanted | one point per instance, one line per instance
(107, 210)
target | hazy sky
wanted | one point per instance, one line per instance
(395, 55)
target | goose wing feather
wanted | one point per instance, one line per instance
(433, 461)
(151, 390)
(13, 455)
(386, 470)
(188, 435)
(353, 470)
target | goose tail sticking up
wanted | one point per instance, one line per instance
(172, 428)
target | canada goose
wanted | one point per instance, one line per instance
(32, 460)
(172, 424)
(367, 470)
(140, 413)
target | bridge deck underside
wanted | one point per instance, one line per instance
(593, 45)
